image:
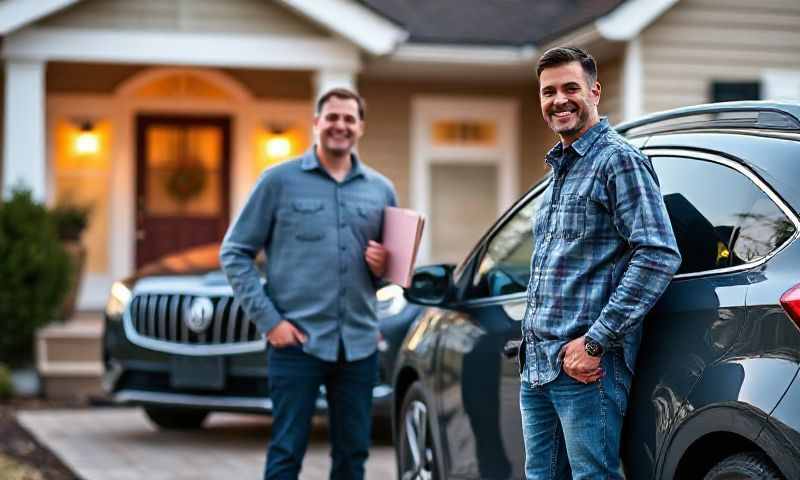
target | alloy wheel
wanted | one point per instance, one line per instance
(418, 443)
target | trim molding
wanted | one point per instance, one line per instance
(628, 20)
(367, 29)
(464, 55)
(200, 49)
(15, 14)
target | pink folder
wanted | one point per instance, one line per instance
(402, 232)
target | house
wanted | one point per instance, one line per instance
(160, 114)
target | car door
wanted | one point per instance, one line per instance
(479, 387)
(701, 314)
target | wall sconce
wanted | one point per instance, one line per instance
(278, 144)
(88, 141)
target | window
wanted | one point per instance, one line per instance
(720, 217)
(732, 91)
(505, 266)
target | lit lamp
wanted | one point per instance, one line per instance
(278, 145)
(87, 142)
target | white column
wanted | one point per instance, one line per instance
(325, 80)
(24, 161)
(632, 81)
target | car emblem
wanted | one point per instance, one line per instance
(200, 314)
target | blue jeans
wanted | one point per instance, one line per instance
(295, 378)
(572, 430)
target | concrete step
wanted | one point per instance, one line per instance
(68, 357)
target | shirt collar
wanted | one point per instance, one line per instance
(310, 161)
(579, 146)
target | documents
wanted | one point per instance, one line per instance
(402, 232)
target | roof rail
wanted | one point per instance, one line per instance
(768, 115)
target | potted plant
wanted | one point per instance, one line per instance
(70, 221)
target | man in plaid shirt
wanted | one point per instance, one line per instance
(604, 252)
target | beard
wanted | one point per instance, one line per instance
(582, 119)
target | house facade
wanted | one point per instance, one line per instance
(161, 114)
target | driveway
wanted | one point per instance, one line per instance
(120, 444)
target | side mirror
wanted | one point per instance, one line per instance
(430, 285)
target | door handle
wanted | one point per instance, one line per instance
(511, 348)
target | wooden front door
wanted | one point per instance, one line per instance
(182, 183)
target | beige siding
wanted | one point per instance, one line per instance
(239, 16)
(387, 141)
(701, 41)
(610, 76)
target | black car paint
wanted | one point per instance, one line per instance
(718, 357)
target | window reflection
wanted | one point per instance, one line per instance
(720, 217)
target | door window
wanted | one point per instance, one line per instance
(720, 217)
(505, 266)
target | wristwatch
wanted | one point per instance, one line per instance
(593, 349)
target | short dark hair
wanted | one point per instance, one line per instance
(558, 56)
(345, 94)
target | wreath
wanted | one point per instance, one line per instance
(186, 181)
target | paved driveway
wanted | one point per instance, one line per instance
(120, 444)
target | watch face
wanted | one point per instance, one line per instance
(593, 348)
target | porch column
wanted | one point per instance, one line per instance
(24, 138)
(632, 81)
(325, 80)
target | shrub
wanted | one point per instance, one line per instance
(6, 388)
(70, 220)
(34, 273)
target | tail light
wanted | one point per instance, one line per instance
(790, 301)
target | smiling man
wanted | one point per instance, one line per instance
(319, 220)
(604, 252)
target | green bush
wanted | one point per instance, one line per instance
(6, 388)
(34, 274)
(70, 220)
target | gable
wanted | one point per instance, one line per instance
(196, 16)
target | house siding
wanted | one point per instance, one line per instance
(386, 145)
(698, 42)
(610, 77)
(230, 16)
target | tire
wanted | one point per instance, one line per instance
(416, 460)
(175, 418)
(744, 466)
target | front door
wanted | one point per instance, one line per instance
(182, 187)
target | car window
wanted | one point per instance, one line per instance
(505, 266)
(720, 217)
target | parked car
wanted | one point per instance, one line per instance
(177, 343)
(715, 393)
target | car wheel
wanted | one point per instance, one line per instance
(417, 454)
(744, 466)
(176, 419)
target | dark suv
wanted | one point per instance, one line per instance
(715, 393)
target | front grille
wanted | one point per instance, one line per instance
(161, 317)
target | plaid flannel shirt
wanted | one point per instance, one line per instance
(604, 252)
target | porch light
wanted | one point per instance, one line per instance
(278, 144)
(87, 142)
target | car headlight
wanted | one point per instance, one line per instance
(118, 300)
(390, 300)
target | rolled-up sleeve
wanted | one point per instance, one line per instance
(248, 234)
(640, 217)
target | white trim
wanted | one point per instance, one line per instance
(70, 369)
(425, 110)
(325, 80)
(233, 87)
(24, 156)
(465, 55)
(367, 29)
(632, 81)
(18, 13)
(630, 18)
(781, 84)
(180, 48)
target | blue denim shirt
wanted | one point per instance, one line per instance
(314, 231)
(604, 251)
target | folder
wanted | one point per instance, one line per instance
(402, 232)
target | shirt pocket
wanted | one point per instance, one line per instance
(366, 220)
(570, 217)
(309, 216)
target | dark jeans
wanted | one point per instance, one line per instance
(572, 430)
(295, 378)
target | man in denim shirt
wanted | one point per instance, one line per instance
(319, 220)
(604, 252)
